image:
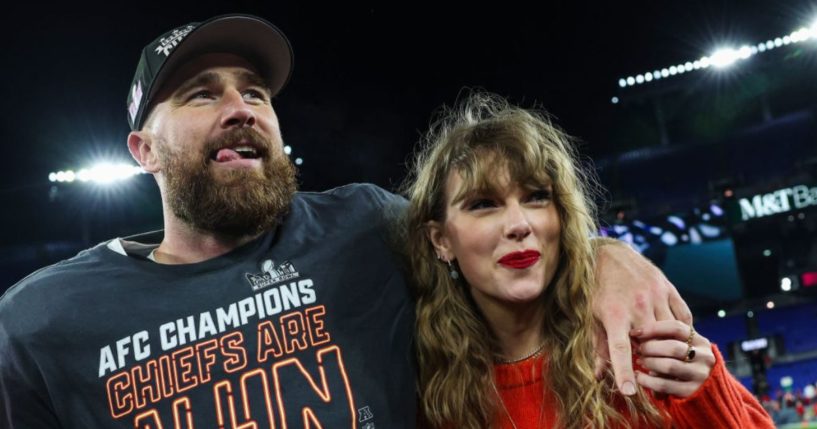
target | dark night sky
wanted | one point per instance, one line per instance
(367, 77)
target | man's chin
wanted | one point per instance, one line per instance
(232, 201)
(235, 176)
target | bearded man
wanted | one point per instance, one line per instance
(256, 305)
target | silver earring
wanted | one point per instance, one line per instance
(453, 271)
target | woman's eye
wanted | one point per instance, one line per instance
(482, 203)
(540, 195)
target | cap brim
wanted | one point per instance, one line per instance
(253, 38)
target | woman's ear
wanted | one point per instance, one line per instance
(438, 239)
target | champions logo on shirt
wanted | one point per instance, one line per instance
(272, 274)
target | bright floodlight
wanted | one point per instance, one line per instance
(724, 57)
(785, 284)
(721, 313)
(299, 161)
(800, 35)
(101, 173)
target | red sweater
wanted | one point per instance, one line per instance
(721, 402)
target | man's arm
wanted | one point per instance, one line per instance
(631, 293)
(24, 399)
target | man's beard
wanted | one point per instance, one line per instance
(240, 201)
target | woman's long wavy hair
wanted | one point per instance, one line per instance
(456, 348)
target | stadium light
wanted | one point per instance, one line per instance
(785, 284)
(721, 313)
(725, 57)
(102, 173)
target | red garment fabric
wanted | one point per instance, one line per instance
(720, 403)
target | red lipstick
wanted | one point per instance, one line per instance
(520, 260)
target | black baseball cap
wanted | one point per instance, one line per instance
(251, 37)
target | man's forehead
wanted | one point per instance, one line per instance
(211, 67)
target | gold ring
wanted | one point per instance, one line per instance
(690, 354)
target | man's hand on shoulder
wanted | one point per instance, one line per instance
(631, 292)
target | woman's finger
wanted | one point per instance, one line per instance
(663, 348)
(676, 369)
(681, 389)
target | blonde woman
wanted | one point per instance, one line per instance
(499, 239)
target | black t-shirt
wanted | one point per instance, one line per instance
(308, 326)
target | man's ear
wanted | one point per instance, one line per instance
(141, 149)
(438, 239)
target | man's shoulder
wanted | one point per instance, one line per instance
(47, 281)
(354, 192)
(348, 209)
(356, 196)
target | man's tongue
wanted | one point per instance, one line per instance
(225, 155)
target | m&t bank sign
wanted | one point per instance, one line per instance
(776, 202)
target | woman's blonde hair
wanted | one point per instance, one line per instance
(456, 350)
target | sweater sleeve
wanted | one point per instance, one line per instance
(721, 402)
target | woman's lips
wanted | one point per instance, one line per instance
(520, 260)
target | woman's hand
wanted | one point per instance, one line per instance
(678, 358)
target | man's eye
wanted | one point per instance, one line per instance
(255, 94)
(203, 94)
(481, 203)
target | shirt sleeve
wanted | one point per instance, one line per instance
(721, 402)
(24, 399)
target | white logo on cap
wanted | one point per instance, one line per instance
(166, 44)
(136, 98)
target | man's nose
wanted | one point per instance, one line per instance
(236, 112)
